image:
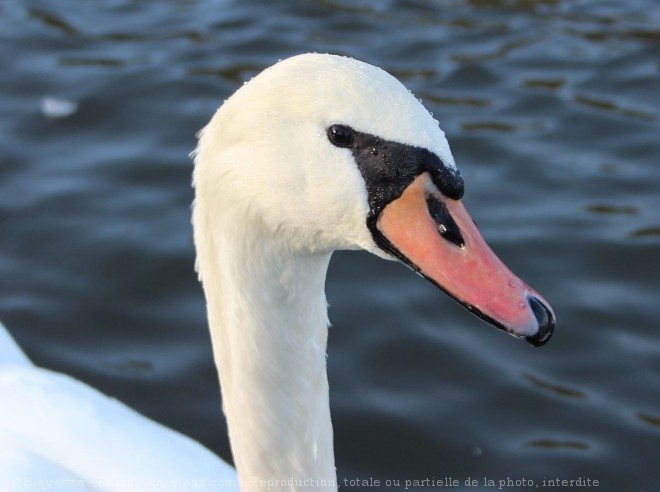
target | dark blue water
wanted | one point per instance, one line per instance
(551, 108)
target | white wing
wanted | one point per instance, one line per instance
(53, 427)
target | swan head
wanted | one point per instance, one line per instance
(323, 152)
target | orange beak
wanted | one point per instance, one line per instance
(437, 237)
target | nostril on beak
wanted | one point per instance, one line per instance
(447, 227)
(545, 320)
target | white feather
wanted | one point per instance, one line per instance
(57, 430)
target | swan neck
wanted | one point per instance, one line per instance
(268, 321)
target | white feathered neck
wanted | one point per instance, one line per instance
(269, 330)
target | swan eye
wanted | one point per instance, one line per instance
(340, 135)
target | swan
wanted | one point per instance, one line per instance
(315, 154)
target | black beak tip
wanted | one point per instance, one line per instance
(545, 319)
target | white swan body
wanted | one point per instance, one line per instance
(315, 154)
(56, 431)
